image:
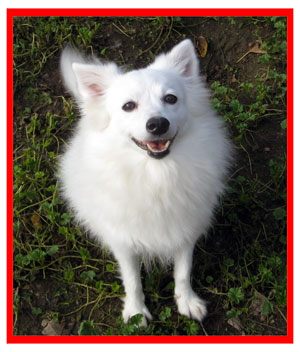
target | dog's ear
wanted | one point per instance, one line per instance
(93, 80)
(181, 58)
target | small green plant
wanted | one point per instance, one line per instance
(87, 329)
(132, 328)
(191, 327)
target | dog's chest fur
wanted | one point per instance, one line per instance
(154, 200)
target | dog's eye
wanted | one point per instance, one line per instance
(170, 99)
(131, 105)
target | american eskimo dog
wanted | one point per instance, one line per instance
(146, 165)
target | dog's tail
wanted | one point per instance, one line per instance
(68, 57)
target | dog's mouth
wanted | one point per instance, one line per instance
(157, 148)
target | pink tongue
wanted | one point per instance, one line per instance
(157, 145)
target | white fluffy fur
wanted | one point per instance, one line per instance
(138, 206)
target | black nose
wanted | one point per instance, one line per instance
(157, 125)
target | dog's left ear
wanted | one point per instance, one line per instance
(181, 58)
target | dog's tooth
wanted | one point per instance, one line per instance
(166, 146)
(149, 147)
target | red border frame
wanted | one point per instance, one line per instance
(146, 339)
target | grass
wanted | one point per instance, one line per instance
(61, 276)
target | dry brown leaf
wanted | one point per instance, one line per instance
(235, 323)
(257, 304)
(36, 221)
(252, 48)
(255, 48)
(202, 47)
(51, 328)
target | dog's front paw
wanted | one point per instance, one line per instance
(134, 308)
(190, 305)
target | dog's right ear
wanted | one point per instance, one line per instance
(93, 80)
(88, 80)
(85, 78)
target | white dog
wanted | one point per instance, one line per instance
(145, 166)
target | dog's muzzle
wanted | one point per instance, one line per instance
(157, 147)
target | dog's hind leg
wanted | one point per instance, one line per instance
(130, 273)
(188, 303)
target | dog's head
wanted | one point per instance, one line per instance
(148, 107)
